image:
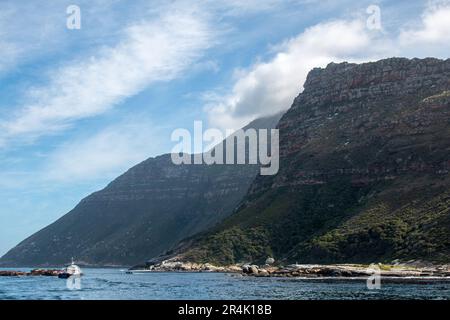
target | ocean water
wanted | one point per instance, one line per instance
(116, 284)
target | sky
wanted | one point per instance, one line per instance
(78, 107)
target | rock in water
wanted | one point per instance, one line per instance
(253, 269)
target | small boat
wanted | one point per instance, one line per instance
(70, 270)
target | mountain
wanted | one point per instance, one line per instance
(141, 214)
(364, 173)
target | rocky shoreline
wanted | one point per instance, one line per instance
(295, 270)
(36, 272)
(307, 270)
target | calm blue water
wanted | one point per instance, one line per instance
(115, 284)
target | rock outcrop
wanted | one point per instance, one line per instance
(352, 271)
(35, 272)
(402, 272)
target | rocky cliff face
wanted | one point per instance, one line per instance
(364, 172)
(141, 214)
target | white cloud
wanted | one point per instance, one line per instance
(239, 7)
(88, 158)
(150, 51)
(27, 30)
(9, 50)
(242, 7)
(9, 54)
(101, 156)
(433, 29)
(270, 87)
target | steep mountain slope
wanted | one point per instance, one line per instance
(140, 214)
(364, 173)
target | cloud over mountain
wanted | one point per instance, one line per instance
(269, 86)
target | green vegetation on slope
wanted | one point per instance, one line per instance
(333, 224)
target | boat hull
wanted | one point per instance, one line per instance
(68, 275)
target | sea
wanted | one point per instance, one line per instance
(116, 284)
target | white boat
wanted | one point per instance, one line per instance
(70, 270)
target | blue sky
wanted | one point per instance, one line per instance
(79, 107)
